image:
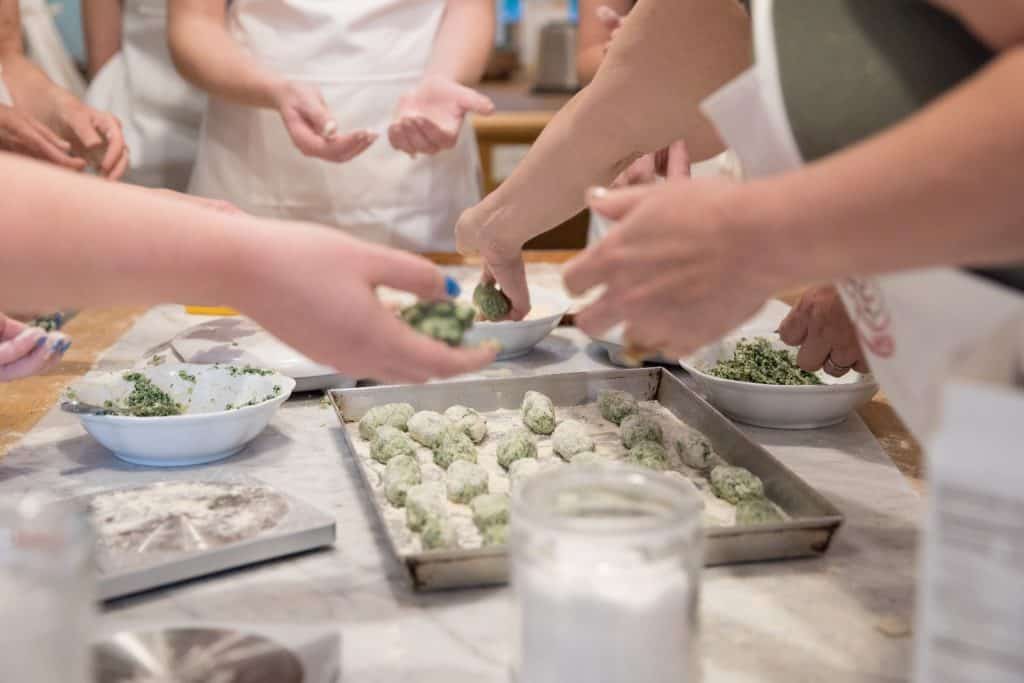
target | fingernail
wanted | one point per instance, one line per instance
(67, 345)
(58, 319)
(57, 344)
(451, 287)
(597, 192)
(40, 341)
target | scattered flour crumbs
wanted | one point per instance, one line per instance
(608, 444)
(184, 516)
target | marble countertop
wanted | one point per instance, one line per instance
(841, 618)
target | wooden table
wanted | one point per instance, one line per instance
(24, 402)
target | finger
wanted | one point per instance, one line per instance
(473, 101)
(600, 316)
(316, 114)
(45, 131)
(360, 148)
(813, 353)
(438, 137)
(608, 17)
(512, 278)
(417, 140)
(396, 137)
(794, 327)
(25, 342)
(25, 366)
(616, 204)
(588, 270)
(406, 272)
(116, 153)
(435, 359)
(121, 167)
(303, 137)
(678, 164)
(85, 132)
(55, 154)
(862, 366)
(341, 148)
(844, 358)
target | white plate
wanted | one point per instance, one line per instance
(205, 433)
(769, 317)
(518, 338)
(779, 407)
(240, 341)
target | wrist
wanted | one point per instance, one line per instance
(276, 91)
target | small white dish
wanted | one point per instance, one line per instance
(517, 338)
(240, 341)
(209, 429)
(775, 406)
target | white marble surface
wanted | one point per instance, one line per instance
(806, 620)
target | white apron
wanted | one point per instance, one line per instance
(159, 111)
(364, 55)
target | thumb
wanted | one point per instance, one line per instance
(678, 164)
(409, 273)
(470, 100)
(615, 204)
(314, 110)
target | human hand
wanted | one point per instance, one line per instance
(94, 135)
(670, 163)
(502, 261)
(329, 310)
(26, 351)
(679, 268)
(312, 128)
(428, 118)
(23, 134)
(820, 326)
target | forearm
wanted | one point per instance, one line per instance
(206, 55)
(80, 252)
(464, 41)
(101, 20)
(588, 60)
(666, 59)
(31, 89)
(941, 188)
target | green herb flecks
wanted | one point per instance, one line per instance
(187, 377)
(145, 400)
(756, 361)
(235, 371)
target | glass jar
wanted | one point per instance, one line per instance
(606, 568)
(47, 592)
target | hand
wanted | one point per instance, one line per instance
(329, 310)
(680, 271)
(22, 134)
(218, 205)
(671, 162)
(26, 351)
(819, 325)
(94, 135)
(312, 128)
(428, 118)
(612, 21)
(503, 262)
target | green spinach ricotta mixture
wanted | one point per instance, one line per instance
(756, 361)
(145, 400)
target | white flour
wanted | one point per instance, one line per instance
(608, 444)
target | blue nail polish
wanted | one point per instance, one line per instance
(451, 286)
(57, 344)
(41, 341)
(67, 345)
(58, 320)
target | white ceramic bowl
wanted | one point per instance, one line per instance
(518, 338)
(779, 407)
(206, 432)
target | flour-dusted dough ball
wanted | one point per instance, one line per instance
(469, 421)
(391, 414)
(538, 413)
(445, 321)
(571, 438)
(516, 445)
(454, 445)
(426, 427)
(466, 481)
(400, 475)
(390, 443)
(491, 301)
(615, 405)
(696, 451)
(496, 535)
(757, 511)
(649, 454)
(438, 534)
(637, 428)
(490, 509)
(733, 484)
(423, 503)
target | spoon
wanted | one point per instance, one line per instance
(76, 407)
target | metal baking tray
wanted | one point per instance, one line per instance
(808, 532)
(122, 572)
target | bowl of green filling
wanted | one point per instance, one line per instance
(180, 414)
(753, 378)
